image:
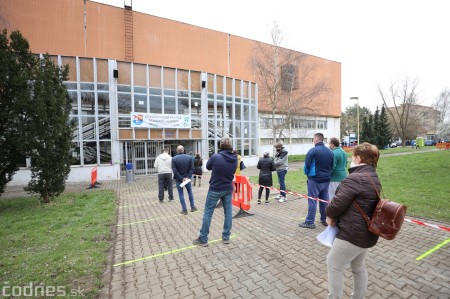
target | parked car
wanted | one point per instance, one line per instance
(393, 144)
(430, 142)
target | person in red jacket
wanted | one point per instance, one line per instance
(353, 239)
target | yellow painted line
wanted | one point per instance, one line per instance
(166, 253)
(149, 220)
(433, 249)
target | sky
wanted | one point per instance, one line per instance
(376, 42)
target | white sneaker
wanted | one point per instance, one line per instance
(277, 197)
(282, 199)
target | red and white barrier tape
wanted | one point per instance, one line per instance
(318, 199)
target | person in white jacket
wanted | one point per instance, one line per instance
(163, 164)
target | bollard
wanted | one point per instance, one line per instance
(130, 173)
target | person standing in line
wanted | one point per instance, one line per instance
(281, 166)
(339, 171)
(183, 168)
(223, 165)
(163, 164)
(353, 239)
(318, 165)
(198, 171)
(266, 166)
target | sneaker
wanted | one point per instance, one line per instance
(324, 223)
(278, 196)
(170, 199)
(161, 201)
(226, 241)
(306, 225)
(184, 212)
(266, 202)
(199, 242)
(194, 209)
(259, 201)
(282, 199)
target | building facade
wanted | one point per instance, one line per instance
(133, 77)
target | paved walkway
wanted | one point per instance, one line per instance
(152, 255)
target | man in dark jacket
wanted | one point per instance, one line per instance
(223, 166)
(183, 168)
(318, 166)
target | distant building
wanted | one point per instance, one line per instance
(141, 83)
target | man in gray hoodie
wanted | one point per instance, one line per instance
(163, 164)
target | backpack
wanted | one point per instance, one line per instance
(387, 218)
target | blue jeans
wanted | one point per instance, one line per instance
(210, 205)
(317, 190)
(281, 179)
(181, 195)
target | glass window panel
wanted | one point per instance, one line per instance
(253, 90)
(211, 83)
(169, 92)
(183, 106)
(54, 58)
(169, 78)
(237, 88)
(124, 73)
(104, 128)
(220, 110)
(70, 86)
(123, 88)
(103, 103)
(220, 84)
(103, 87)
(229, 88)
(74, 97)
(196, 123)
(87, 86)
(195, 81)
(229, 111)
(87, 103)
(196, 107)
(195, 95)
(169, 105)
(139, 72)
(156, 91)
(155, 76)
(102, 70)
(142, 90)
(124, 121)
(124, 103)
(140, 103)
(246, 112)
(90, 152)
(182, 80)
(75, 153)
(245, 90)
(155, 104)
(237, 126)
(183, 93)
(211, 128)
(238, 145)
(246, 147)
(237, 111)
(105, 152)
(71, 61)
(246, 130)
(88, 127)
(86, 70)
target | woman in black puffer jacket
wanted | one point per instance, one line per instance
(266, 166)
(353, 239)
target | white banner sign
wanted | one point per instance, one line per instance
(151, 120)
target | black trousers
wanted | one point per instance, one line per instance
(260, 193)
(165, 180)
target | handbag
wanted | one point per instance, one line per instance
(387, 218)
(242, 166)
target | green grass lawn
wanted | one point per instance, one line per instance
(62, 244)
(420, 181)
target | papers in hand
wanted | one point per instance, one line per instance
(184, 183)
(328, 235)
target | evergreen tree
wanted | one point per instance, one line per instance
(49, 130)
(364, 130)
(384, 129)
(16, 71)
(376, 128)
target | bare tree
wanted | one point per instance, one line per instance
(287, 83)
(403, 96)
(442, 104)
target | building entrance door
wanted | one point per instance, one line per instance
(142, 154)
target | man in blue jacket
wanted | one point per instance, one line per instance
(318, 166)
(183, 168)
(223, 166)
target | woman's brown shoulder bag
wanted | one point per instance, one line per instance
(387, 219)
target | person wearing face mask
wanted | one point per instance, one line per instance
(318, 166)
(281, 165)
(353, 239)
(339, 171)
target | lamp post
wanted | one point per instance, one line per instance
(357, 113)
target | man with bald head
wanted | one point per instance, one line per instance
(183, 168)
